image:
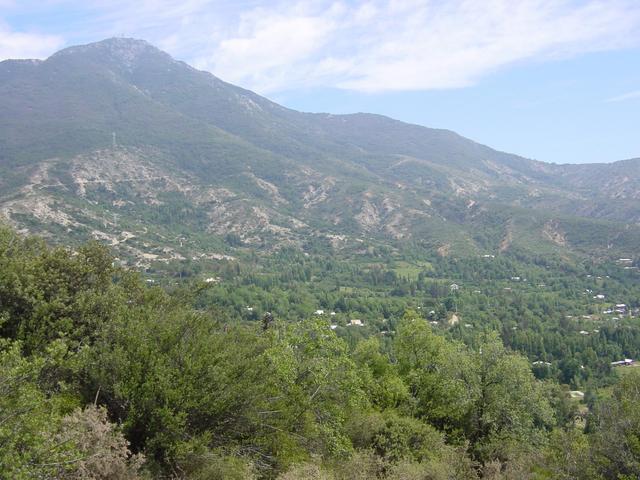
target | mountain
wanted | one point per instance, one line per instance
(118, 141)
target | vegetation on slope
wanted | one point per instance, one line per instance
(105, 377)
(286, 173)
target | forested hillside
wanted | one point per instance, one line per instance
(119, 142)
(104, 376)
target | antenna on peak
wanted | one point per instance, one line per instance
(114, 144)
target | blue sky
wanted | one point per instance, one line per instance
(555, 80)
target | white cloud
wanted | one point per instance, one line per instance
(625, 96)
(414, 44)
(27, 45)
(274, 49)
(456, 44)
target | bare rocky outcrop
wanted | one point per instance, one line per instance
(369, 216)
(507, 239)
(553, 232)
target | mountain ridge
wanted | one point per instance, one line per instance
(370, 178)
(126, 43)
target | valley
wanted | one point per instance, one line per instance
(199, 283)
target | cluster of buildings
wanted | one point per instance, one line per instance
(620, 308)
(626, 263)
(355, 322)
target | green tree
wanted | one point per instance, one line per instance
(439, 373)
(510, 411)
(616, 441)
(43, 437)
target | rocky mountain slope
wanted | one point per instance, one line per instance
(118, 141)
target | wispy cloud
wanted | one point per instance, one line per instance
(26, 45)
(364, 45)
(417, 45)
(625, 96)
(274, 49)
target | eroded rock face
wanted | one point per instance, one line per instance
(369, 217)
(554, 233)
(139, 202)
(97, 193)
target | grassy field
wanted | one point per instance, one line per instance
(411, 270)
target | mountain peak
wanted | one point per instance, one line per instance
(122, 50)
